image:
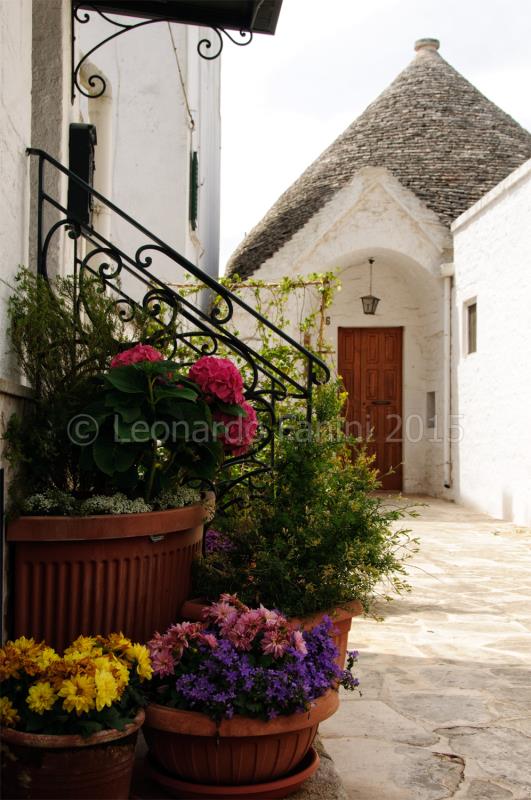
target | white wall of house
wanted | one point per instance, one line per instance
(492, 257)
(15, 136)
(165, 105)
(374, 215)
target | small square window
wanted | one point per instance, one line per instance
(472, 327)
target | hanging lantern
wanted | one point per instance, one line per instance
(369, 301)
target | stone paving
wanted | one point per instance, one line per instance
(446, 677)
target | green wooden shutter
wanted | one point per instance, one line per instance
(194, 189)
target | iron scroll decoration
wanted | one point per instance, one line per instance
(208, 49)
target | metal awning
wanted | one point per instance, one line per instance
(258, 16)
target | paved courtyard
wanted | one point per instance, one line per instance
(446, 677)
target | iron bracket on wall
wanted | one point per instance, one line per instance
(208, 49)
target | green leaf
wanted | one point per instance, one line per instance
(168, 392)
(127, 379)
(234, 409)
(129, 413)
(136, 432)
(111, 457)
(184, 410)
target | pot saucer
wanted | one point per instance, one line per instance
(281, 787)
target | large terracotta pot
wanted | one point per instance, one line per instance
(41, 766)
(341, 617)
(77, 575)
(240, 750)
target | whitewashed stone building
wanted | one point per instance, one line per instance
(424, 184)
(160, 106)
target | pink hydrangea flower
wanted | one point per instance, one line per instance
(238, 433)
(218, 379)
(140, 352)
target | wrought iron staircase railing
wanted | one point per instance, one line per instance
(136, 281)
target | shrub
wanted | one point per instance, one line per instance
(319, 538)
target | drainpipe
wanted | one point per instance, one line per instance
(100, 115)
(447, 272)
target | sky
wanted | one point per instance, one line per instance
(286, 97)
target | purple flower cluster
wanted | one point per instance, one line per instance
(250, 662)
(217, 542)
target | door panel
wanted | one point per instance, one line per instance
(370, 363)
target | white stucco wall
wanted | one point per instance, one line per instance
(165, 105)
(15, 136)
(493, 264)
(375, 216)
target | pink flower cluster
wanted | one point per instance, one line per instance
(237, 433)
(245, 627)
(259, 629)
(167, 650)
(218, 379)
(140, 352)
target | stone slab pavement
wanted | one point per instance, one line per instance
(446, 676)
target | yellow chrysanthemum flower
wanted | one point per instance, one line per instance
(8, 714)
(10, 663)
(78, 693)
(110, 663)
(106, 689)
(46, 657)
(120, 672)
(140, 654)
(41, 697)
(86, 645)
(116, 641)
(28, 647)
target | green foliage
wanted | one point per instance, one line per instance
(58, 357)
(319, 537)
(54, 353)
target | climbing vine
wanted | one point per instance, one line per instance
(296, 306)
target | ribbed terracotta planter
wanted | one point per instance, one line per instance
(45, 767)
(280, 787)
(239, 751)
(77, 575)
(341, 617)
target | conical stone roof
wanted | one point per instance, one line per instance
(431, 128)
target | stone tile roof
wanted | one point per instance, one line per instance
(431, 128)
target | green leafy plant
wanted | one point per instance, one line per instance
(57, 357)
(319, 537)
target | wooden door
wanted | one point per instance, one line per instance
(370, 364)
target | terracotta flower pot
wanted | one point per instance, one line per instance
(36, 766)
(190, 746)
(77, 575)
(280, 787)
(342, 620)
(341, 617)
